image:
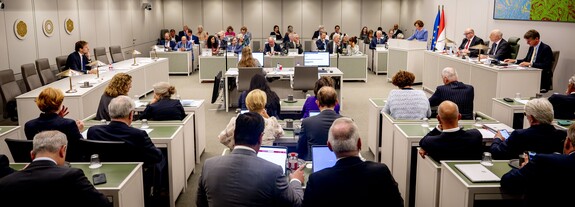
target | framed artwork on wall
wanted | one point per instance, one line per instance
(48, 27)
(20, 29)
(68, 25)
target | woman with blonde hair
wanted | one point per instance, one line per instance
(247, 59)
(163, 107)
(119, 85)
(256, 102)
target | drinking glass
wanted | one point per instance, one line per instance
(478, 122)
(425, 122)
(145, 124)
(518, 96)
(95, 161)
(487, 160)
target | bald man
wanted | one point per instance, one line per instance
(449, 142)
(500, 49)
(469, 41)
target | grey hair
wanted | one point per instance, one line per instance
(336, 35)
(497, 32)
(378, 31)
(120, 107)
(345, 139)
(48, 141)
(572, 79)
(164, 89)
(449, 73)
(541, 110)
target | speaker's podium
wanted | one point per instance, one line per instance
(405, 55)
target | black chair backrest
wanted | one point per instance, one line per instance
(20, 149)
(30, 76)
(100, 54)
(245, 75)
(44, 70)
(61, 62)
(514, 44)
(116, 53)
(162, 32)
(108, 151)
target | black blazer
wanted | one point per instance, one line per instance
(315, 34)
(563, 106)
(331, 35)
(476, 41)
(394, 35)
(5, 168)
(374, 42)
(102, 112)
(459, 145)
(544, 61)
(163, 42)
(458, 92)
(330, 47)
(268, 48)
(43, 183)
(73, 62)
(51, 121)
(543, 138)
(503, 50)
(366, 183)
(278, 36)
(119, 131)
(321, 45)
(539, 179)
(314, 131)
(164, 109)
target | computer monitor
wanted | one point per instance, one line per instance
(322, 157)
(320, 59)
(217, 85)
(257, 55)
(274, 154)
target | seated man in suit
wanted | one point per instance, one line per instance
(539, 177)
(337, 31)
(379, 39)
(395, 32)
(453, 90)
(173, 36)
(184, 32)
(79, 59)
(46, 181)
(351, 181)
(449, 142)
(294, 43)
(193, 38)
(322, 42)
(314, 129)
(184, 45)
(469, 41)
(318, 32)
(167, 42)
(5, 168)
(272, 48)
(564, 104)
(335, 46)
(500, 49)
(540, 137)
(243, 179)
(539, 56)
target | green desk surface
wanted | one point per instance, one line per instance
(499, 168)
(379, 102)
(158, 132)
(299, 102)
(416, 130)
(4, 129)
(116, 173)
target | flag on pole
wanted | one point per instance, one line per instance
(435, 29)
(440, 45)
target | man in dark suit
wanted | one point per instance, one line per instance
(322, 42)
(396, 31)
(379, 39)
(314, 129)
(539, 56)
(294, 43)
(564, 104)
(167, 42)
(46, 181)
(449, 142)
(78, 59)
(540, 137)
(500, 49)
(318, 32)
(469, 41)
(271, 48)
(335, 45)
(351, 181)
(243, 179)
(182, 33)
(545, 179)
(337, 31)
(453, 90)
(173, 35)
(5, 166)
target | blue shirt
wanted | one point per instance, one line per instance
(420, 35)
(187, 47)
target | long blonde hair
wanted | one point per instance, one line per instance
(119, 85)
(247, 59)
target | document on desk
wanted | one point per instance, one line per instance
(477, 173)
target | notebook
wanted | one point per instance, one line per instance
(322, 157)
(477, 173)
(274, 154)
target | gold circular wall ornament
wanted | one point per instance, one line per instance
(20, 29)
(69, 25)
(48, 27)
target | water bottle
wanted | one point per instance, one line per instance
(277, 66)
(293, 161)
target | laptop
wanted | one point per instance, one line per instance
(322, 157)
(274, 154)
(477, 173)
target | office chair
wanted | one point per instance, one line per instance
(256, 46)
(108, 151)
(100, 54)
(514, 44)
(307, 45)
(45, 71)
(555, 60)
(245, 75)
(9, 89)
(116, 53)
(20, 149)
(30, 76)
(162, 32)
(304, 78)
(61, 62)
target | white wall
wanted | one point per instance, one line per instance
(100, 22)
(478, 15)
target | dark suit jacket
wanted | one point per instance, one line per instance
(394, 35)
(5, 166)
(459, 145)
(352, 182)
(267, 48)
(331, 35)
(119, 131)
(164, 109)
(292, 45)
(540, 180)
(476, 41)
(458, 92)
(563, 106)
(43, 183)
(73, 62)
(330, 47)
(315, 34)
(314, 131)
(321, 45)
(180, 35)
(374, 42)
(102, 112)
(51, 121)
(172, 43)
(503, 51)
(544, 61)
(543, 138)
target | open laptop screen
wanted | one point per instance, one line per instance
(275, 154)
(322, 157)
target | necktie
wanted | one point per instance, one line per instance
(81, 62)
(534, 55)
(467, 44)
(493, 48)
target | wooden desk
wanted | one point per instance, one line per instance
(125, 182)
(428, 179)
(8, 132)
(353, 67)
(180, 61)
(211, 65)
(509, 113)
(374, 126)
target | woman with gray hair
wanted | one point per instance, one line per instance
(163, 107)
(540, 137)
(564, 104)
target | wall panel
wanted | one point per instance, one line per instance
(252, 15)
(102, 24)
(173, 14)
(192, 14)
(4, 62)
(370, 15)
(311, 17)
(272, 15)
(68, 9)
(332, 16)
(292, 15)
(232, 14)
(20, 51)
(45, 10)
(212, 16)
(350, 20)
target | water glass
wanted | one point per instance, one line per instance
(103, 122)
(145, 124)
(478, 122)
(95, 161)
(518, 96)
(487, 160)
(425, 123)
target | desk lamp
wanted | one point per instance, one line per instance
(479, 47)
(96, 63)
(69, 73)
(134, 53)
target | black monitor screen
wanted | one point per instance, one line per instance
(320, 59)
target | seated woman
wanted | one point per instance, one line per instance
(213, 44)
(119, 85)
(406, 103)
(273, 100)
(162, 107)
(247, 59)
(230, 32)
(276, 33)
(310, 103)
(353, 47)
(256, 102)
